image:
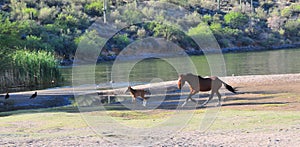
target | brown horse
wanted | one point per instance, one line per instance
(197, 83)
(138, 93)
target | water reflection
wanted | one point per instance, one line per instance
(249, 63)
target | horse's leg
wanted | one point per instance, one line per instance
(210, 97)
(193, 92)
(219, 96)
(134, 101)
(144, 102)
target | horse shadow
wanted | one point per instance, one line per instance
(172, 101)
(260, 100)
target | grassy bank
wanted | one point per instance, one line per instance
(61, 120)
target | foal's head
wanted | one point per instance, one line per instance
(181, 81)
(128, 89)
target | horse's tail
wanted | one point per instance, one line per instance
(228, 87)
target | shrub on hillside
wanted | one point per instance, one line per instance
(292, 27)
(94, 8)
(236, 19)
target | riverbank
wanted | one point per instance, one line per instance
(62, 96)
(260, 48)
(109, 58)
(265, 112)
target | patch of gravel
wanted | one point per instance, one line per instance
(286, 137)
(281, 137)
(58, 141)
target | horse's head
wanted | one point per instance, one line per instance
(181, 81)
(128, 89)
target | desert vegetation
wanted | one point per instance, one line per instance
(55, 26)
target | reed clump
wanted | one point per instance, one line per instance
(25, 68)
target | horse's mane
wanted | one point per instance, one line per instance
(190, 74)
(131, 89)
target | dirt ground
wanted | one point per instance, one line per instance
(264, 112)
(268, 92)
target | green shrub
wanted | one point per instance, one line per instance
(236, 19)
(206, 18)
(66, 21)
(216, 27)
(5, 58)
(9, 33)
(94, 8)
(286, 12)
(121, 40)
(296, 7)
(35, 42)
(231, 32)
(292, 27)
(31, 12)
(47, 15)
(261, 13)
(201, 32)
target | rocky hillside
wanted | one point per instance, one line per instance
(59, 26)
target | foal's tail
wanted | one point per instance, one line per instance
(228, 87)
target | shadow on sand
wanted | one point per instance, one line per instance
(65, 103)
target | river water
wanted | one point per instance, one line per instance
(246, 63)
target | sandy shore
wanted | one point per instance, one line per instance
(259, 96)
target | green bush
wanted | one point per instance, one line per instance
(5, 58)
(121, 40)
(201, 32)
(47, 15)
(9, 35)
(286, 12)
(216, 28)
(292, 27)
(94, 8)
(296, 7)
(31, 12)
(236, 19)
(261, 13)
(231, 32)
(66, 21)
(206, 18)
(35, 42)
